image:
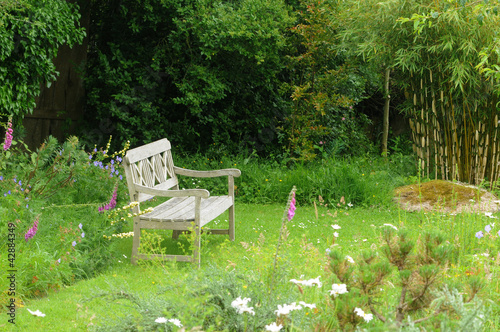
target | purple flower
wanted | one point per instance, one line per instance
(487, 228)
(8, 136)
(112, 202)
(59, 260)
(83, 235)
(291, 210)
(80, 226)
(73, 243)
(90, 156)
(119, 159)
(1, 178)
(32, 231)
(479, 234)
(121, 177)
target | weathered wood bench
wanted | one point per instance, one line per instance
(150, 172)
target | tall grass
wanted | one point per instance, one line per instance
(363, 181)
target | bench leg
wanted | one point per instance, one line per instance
(175, 234)
(135, 243)
(231, 223)
(196, 246)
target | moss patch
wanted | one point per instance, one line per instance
(446, 196)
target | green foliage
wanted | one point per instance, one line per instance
(201, 71)
(31, 32)
(420, 265)
(57, 189)
(324, 88)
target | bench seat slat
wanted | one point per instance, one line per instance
(182, 209)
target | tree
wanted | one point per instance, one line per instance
(198, 71)
(324, 87)
(31, 32)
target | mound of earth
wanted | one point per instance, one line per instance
(446, 196)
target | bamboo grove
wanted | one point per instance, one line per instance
(453, 108)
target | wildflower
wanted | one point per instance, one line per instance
(490, 215)
(487, 228)
(273, 327)
(83, 235)
(479, 234)
(73, 243)
(161, 320)
(328, 251)
(287, 308)
(349, 259)
(361, 313)
(8, 136)
(241, 305)
(338, 289)
(310, 282)
(336, 226)
(112, 202)
(175, 321)
(59, 261)
(80, 226)
(498, 233)
(349, 204)
(36, 313)
(32, 231)
(335, 234)
(291, 210)
(390, 225)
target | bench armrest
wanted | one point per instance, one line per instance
(203, 193)
(207, 174)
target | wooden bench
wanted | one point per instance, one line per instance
(150, 172)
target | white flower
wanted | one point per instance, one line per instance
(287, 308)
(36, 313)
(361, 313)
(490, 215)
(307, 305)
(336, 226)
(310, 282)
(273, 327)
(349, 259)
(390, 225)
(241, 305)
(176, 322)
(338, 289)
(161, 320)
(335, 234)
(349, 204)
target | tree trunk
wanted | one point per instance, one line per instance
(385, 134)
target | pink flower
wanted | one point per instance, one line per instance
(32, 231)
(8, 136)
(291, 210)
(343, 119)
(112, 202)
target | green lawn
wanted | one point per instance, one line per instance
(136, 295)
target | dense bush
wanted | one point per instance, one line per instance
(196, 72)
(31, 32)
(50, 200)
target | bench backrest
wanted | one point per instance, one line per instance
(150, 165)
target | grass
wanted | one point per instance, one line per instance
(355, 194)
(98, 300)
